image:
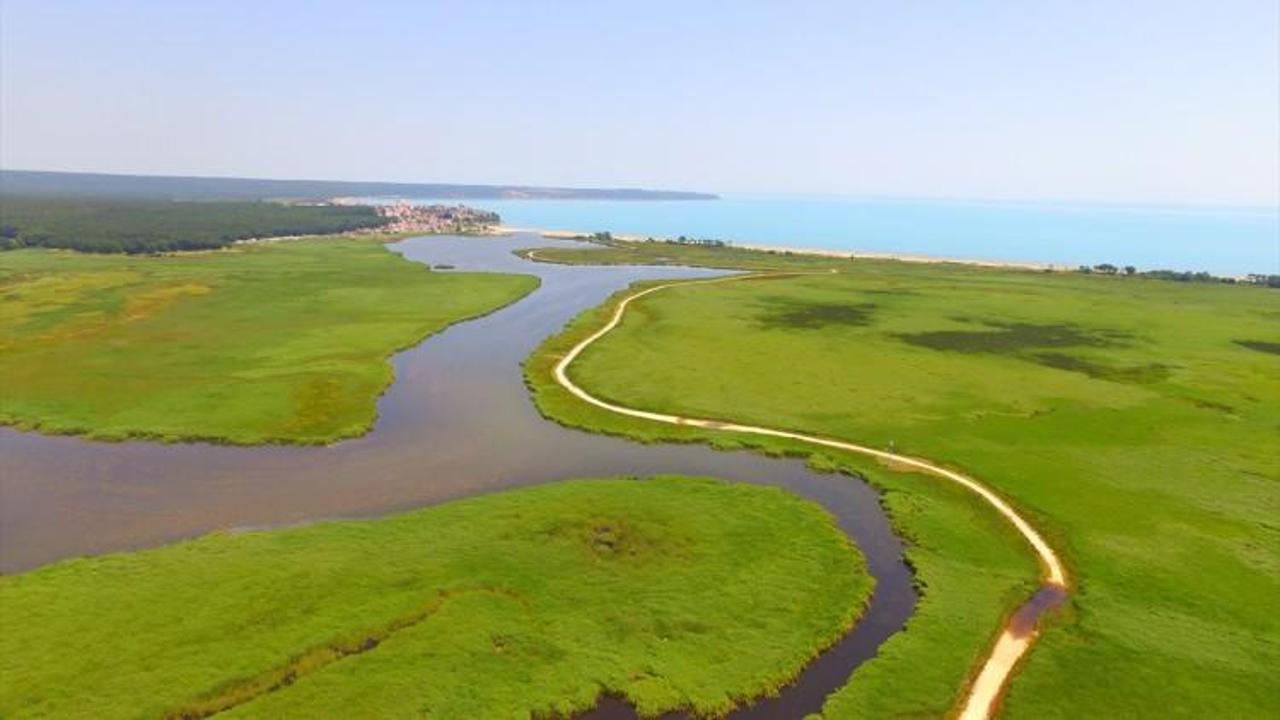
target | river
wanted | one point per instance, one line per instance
(457, 421)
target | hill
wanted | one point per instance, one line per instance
(163, 187)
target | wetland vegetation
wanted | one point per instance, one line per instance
(963, 403)
(503, 605)
(1123, 415)
(1139, 441)
(283, 342)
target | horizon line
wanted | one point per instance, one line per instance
(1117, 204)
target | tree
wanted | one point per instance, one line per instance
(138, 226)
(1129, 269)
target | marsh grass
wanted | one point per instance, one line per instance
(969, 566)
(1123, 416)
(283, 343)
(671, 592)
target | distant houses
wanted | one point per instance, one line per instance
(408, 217)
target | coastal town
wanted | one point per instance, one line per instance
(401, 217)
(409, 217)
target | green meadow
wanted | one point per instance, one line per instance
(1134, 421)
(282, 342)
(674, 592)
(623, 252)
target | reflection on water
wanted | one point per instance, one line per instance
(458, 421)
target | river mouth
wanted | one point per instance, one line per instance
(457, 421)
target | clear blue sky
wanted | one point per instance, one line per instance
(1167, 101)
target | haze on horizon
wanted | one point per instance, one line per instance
(1174, 102)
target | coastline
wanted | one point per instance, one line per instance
(561, 234)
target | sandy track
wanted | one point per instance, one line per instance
(1015, 638)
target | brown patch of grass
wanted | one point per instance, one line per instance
(315, 405)
(140, 306)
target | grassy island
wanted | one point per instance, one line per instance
(673, 592)
(279, 342)
(1133, 420)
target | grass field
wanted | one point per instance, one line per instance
(1133, 420)
(622, 252)
(675, 592)
(284, 342)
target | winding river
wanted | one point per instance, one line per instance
(458, 421)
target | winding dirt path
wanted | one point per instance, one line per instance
(1017, 636)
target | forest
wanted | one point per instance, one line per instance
(152, 226)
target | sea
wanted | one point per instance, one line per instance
(1223, 241)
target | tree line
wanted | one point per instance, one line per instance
(151, 226)
(1179, 275)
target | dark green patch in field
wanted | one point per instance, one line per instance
(1213, 405)
(1023, 340)
(1008, 338)
(1149, 373)
(1260, 346)
(788, 313)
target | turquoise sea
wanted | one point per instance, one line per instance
(1220, 241)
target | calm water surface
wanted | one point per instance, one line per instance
(458, 421)
(1224, 242)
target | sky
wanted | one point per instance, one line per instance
(1137, 102)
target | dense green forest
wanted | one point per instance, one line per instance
(148, 226)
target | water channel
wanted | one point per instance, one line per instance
(457, 421)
